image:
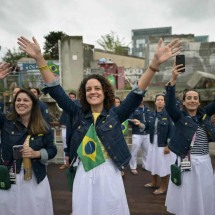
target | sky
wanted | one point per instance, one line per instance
(94, 18)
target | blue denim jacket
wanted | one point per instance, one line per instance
(165, 128)
(15, 133)
(138, 114)
(108, 124)
(185, 126)
(44, 110)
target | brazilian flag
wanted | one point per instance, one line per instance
(90, 151)
(53, 67)
(124, 127)
(111, 79)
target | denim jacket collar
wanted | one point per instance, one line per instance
(104, 113)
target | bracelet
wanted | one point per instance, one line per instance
(153, 69)
(43, 68)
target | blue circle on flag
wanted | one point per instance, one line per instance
(122, 127)
(90, 147)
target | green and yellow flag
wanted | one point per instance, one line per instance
(90, 151)
(124, 127)
(111, 79)
(53, 67)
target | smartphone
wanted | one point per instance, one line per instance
(16, 151)
(180, 59)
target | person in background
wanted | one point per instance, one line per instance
(25, 126)
(15, 91)
(159, 157)
(43, 106)
(96, 131)
(1, 107)
(140, 123)
(193, 131)
(64, 122)
(213, 119)
(124, 125)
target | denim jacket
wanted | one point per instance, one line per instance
(44, 110)
(108, 124)
(143, 117)
(185, 126)
(15, 133)
(165, 128)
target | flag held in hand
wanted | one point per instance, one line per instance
(90, 151)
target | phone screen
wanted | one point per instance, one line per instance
(16, 151)
(180, 59)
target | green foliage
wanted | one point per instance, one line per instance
(12, 56)
(51, 44)
(111, 42)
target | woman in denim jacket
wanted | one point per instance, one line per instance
(99, 190)
(32, 195)
(193, 130)
(159, 157)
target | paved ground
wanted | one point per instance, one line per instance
(141, 200)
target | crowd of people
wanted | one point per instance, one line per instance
(92, 130)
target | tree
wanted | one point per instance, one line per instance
(51, 44)
(111, 42)
(12, 56)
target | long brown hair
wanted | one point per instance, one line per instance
(106, 87)
(37, 124)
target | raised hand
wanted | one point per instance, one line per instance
(176, 70)
(5, 69)
(31, 48)
(164, 53)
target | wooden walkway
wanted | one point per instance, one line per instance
(141, 200)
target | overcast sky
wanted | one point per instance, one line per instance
(93, 18)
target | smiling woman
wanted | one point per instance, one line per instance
(98, 183)
(25, 126)
(193, 131)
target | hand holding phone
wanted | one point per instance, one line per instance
(180, 59)
(16, 151)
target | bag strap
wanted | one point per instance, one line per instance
(1, 157)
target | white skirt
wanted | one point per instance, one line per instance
(26, 197)
(100, 191)
(157, 162)
(196, 193)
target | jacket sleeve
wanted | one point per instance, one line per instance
(170, 103)
(49, 149)
(171, 129)
(210, 108)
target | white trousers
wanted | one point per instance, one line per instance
(139, 142)
(63, 134)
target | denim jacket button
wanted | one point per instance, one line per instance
(185, 123)
(12, 132)
(110, 126)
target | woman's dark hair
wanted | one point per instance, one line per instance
(106, 87)
(37, 124)
(116, 97)
(35, 88)
(188, 90)
(160, 94)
